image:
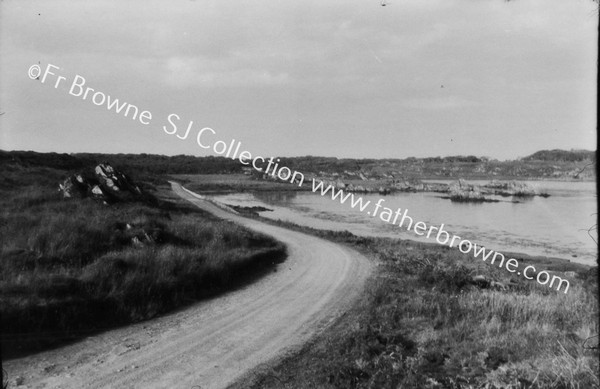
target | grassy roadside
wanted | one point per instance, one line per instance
(232, 183)
(423, 324)
(69, 268)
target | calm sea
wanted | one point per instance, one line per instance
(556, 226)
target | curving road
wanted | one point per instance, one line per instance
(213, 343)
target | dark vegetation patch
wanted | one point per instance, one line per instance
(464, 199)
(141, 164)
(545, 164)
(561, 155)
(249, 211)
(72, 267)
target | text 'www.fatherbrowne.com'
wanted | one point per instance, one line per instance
(400, 218)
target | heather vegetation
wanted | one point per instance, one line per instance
(423, 323)
(545, 164)
(141, 164)
(72, 267)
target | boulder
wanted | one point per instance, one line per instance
(105, 183)
(512, 188)
(484, 283)
(74, 187)
(480, 281)
(114, 181)
(498, 285)
(97, 192)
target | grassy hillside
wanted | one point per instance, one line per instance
(70, 267)
(423, 324)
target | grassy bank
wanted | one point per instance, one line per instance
(69, 268)
(423, 324)
(234, 183)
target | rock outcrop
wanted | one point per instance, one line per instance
(461, 191)
(482, 282)
(510, 188)
(105, 183)
(74, 186)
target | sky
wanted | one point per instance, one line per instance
(341, 78)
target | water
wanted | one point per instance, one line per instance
(556, 226)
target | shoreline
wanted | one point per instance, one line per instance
(505, 249)
(417, 309)
(237, 182)
(549, 263)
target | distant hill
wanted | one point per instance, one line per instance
(551, 165)
(562, 156)
(51, 160)
(545, 164)
(150, 164)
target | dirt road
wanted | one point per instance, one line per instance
(211, 344)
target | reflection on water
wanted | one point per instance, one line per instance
(276, 197)
(554, 226)
(522, 199)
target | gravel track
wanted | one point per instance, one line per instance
(213, 343)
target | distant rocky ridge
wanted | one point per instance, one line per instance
(573, 165)
(105, 183)
(459, 190)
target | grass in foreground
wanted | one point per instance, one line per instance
(422, 324)
(69, 268)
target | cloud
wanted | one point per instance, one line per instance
(341, 65)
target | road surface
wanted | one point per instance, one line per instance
(212, 343)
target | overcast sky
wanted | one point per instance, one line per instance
(330, 77)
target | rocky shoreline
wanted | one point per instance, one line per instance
(459, 191)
